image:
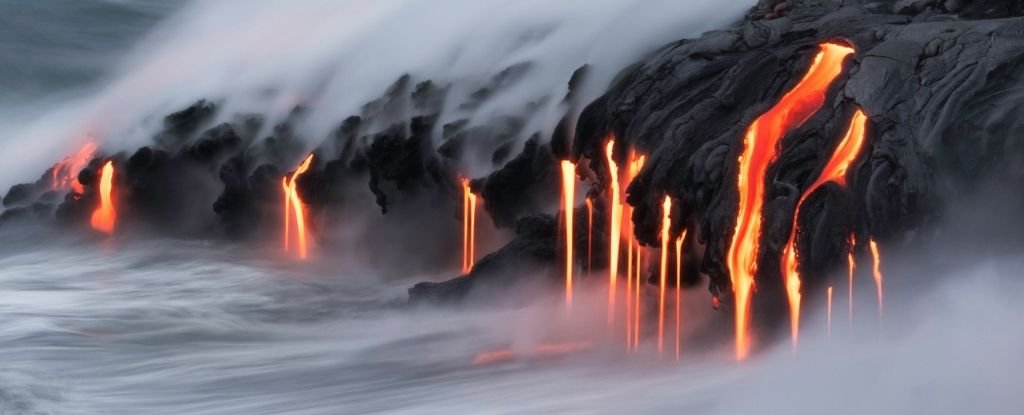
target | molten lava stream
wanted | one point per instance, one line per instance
(468, 227)
(835, 172)
(666, 226)
(636, 163)
(569, 200)
(590, 234)
(630, 265)
(65, 172)
(636, 300)
(760, 144)
(877, 271)
(679, 291)
(829, 312)
(615, 230)
(295, 207)
(851, 266)
(105, 216)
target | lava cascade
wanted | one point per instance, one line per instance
(635, 163)
(851, 267)
(295, 207)
(666, 226)
(468, 227)
(615, 228)
(829, 310)
(569, 205)
(590, 233)
(105, 215)
(876, 270)
(679, 291)
(65, 172)
(760, 145)
(833, 172)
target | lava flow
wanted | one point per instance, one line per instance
(877, 271)
(851, 266)
(615, 228)
(104, 217)
(569, 206)
(468, 227)
(294, 206)
(65, 172)
(760, 145)
(679, 290)
(829, 315)
(636, 163)
(666, 226)
(835, 172)
(590, 234)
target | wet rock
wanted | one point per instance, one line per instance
(524, 260)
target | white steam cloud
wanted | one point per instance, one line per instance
(336, 55)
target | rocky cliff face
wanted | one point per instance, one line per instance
(939, 81)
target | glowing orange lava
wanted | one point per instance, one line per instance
(666, 226)
(634, 164)
(295, 207)
(636, 300)
(105, 215)
(760, 145)
(851, 266)
(679, 290)
(829, 312)
(65, 172)
(615, 231)
(877, 271)
(835, 171)
(468, 227)
(590, 234)
(569, 200)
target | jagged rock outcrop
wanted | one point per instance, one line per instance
(937, 80)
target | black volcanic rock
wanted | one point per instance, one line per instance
(522, 186)
(20, 194)
(180, 125)
(525, 259)
(938, 86)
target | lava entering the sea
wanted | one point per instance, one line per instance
(468, 227)
(851, 266)
(293, 206)
(666, 226)
(569, 206)
(679, 291)
(590, 233)
(760, 145)
(833, 172)
(105, 215)
(876, 270)
(615, 228)
(829, 310)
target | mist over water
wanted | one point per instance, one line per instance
(163, 326)
(160, 326)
